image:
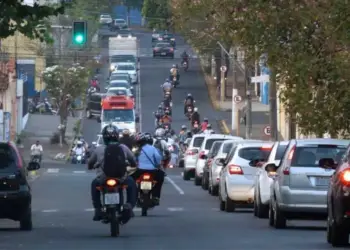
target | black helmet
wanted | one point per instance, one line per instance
(189, 134)
(148, 138)
(110, 134)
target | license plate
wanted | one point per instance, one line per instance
(171, 104)
(163, 54)
(174, 78)
(322, 181)
(112, 199)
(146, 185)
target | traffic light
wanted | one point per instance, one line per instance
(79, 35)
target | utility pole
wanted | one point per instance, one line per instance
(273, 105)
(222, 78)
(248, 108)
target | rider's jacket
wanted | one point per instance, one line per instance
(149, 158)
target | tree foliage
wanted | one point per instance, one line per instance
(307, 43)
(65, 84)
(157, 13)
(28, 20)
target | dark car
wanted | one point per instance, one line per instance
(214, 150)
(167, 37)
(338, 200)
(163, 49)
(93, 107)
(15, 192)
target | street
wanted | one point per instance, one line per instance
(187, 218)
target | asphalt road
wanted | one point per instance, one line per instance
(188, 218)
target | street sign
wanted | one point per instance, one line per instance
(267, 130)
(237, 99)
(223, 69)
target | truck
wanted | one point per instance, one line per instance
(123, 50)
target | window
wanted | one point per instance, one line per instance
(250, 154)
(281, 149)
(230, 155)
(8, 157)
(198, 142)
(119, 85)
(126, 67)
(210, 142)
(162, 45)
(227, 147)
(118, 115)
(215, 148)
(310, 155)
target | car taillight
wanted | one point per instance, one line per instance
(171, 49)
(344, 177)
(286, 171)
(234, 169)
(202, 155)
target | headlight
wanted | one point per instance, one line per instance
(112, 67)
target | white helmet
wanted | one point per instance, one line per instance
(195, 109)
(160, 132)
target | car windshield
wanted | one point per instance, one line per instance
(119, 77)
(123, 58)
(198, 142)
(105, 16)
(7, 158)
(210, 142)
(254, 153)
(118, 92)
(162, 45)
(119, 85)
(310, 155)
(281, 149)
(227, 147)
(126, 67)
(118, 115)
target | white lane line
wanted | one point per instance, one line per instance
(181, 192)
(89, 210)
(175, 209)
(50, 211)
(53, 170)
(79, 172)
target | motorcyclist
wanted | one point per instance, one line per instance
(174, 72)
(36, 150)
(166, 104)
(182, 135)
(161, 144)
(126, 139)
(189, 101)
(209, 130)
(166, 86)
(110, 135)
(149, 161)
(184, 57)
(204, 124)
(195, 117)
(94, 83)
(195, 128)
(166, 118)
(158, 115)
(79, 148)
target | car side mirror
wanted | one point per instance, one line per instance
(271, 168)
(32, 166)
(219, 162)
(327, 163)
(137, 119)
(98, 119)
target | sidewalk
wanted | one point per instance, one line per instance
(41, 127)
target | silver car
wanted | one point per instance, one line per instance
(299, 189)
(236, 185)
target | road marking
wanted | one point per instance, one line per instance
(89, 210)
(181, 192)
(50, 211)
(175, 209)
(79, 172)
(53, 170)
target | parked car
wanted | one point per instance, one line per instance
(15, 192)
(338, 201)
(163, 49)
(264, 180)
(214, 150)
(299, 189)
(191, 156)
(236, 184)
(203, 152)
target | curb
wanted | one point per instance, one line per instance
(211, 89)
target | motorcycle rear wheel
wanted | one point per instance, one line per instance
(114, 223)
(144, 211)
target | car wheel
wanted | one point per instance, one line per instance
(339, 236)
(230, 205)
(329, 229)
(215, 190)
(197, 180)
(280, 220)
(271, 216)
(186, 176)
(88, 114)
(26, 223)
(181, 164)
(221, 203)
(262, 210)
(205, 182)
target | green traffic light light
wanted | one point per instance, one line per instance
(79, 38)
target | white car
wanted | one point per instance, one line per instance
(191, 156)
(129, 68)
(236, 185)
(208, 141)
(263, 180)
(105, 19)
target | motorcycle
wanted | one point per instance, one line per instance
(145, 185)
(167, 95)
(185, 66)
(166, 126)
(111, 204)
(35, 162)
(174, 81)
(196, 129)
(168, 109)
(78, 159)
(189, 112)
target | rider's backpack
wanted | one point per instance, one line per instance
(115, 161)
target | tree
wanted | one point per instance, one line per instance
(28, 20)
(65, 84)
(157, 13)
